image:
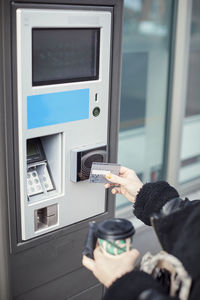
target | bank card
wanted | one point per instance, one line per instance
(100, 170)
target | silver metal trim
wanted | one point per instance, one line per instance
(179, 89)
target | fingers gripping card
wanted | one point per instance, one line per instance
(100, 170)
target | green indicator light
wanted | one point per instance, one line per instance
(96, 111)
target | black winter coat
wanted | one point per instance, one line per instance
(179, 234)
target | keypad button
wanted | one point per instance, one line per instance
(36, 180)
(38, 187)
(28, 175)
(46, 185)
(34, 174)
(30, 182)
(32, 189)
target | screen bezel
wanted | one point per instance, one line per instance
(69, 80)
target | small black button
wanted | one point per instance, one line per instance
(96, 111)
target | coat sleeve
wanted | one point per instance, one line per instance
(153, 294)
(131, 285)
(151, 199)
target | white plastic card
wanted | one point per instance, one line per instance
(100, 170)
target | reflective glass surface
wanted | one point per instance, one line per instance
(145, 67)
(65, 55)
(190, 148)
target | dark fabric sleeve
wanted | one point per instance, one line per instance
(172, 229)
(131, 285)
(151, 199)
(154, 295)
(187, 244)
(195, 291)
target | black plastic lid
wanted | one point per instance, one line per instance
(115, 229)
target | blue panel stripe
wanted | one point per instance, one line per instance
(56, 108)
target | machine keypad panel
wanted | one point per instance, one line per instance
(38, 180)
(34, 186)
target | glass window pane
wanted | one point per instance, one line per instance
(145, 66)
(190, 148)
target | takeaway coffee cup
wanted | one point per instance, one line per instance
(115, 236)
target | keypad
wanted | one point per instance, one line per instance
(33, 183)
(38, 180)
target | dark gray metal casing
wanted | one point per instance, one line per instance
(49, 266)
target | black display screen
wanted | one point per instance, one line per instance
(34, 150)
(31, 149)
(61, 55)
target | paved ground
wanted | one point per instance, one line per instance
(146, 240)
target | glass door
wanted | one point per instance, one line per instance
(190, 145)
(145, 70)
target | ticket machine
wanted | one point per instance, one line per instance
(63, 70)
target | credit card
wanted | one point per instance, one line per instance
(100, 170)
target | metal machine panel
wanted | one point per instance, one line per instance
(62, 112)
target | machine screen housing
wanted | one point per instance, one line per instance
(61, 55)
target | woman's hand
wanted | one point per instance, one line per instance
(107, 268)
(128, 183)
